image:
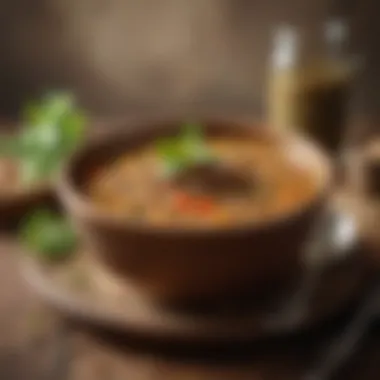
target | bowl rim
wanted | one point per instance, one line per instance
(68, 192)
(23, 194)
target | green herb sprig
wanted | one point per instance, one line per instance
(52, 129)
(48, 235)
(187, 149)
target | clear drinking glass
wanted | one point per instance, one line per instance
(310, 82)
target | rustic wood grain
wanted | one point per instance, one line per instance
(31, 341)
(33, 345)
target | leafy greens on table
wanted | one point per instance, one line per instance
(48, 235)
(52, 129)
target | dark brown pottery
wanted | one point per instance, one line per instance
(16, 205)
(82, 290)
(187, 265)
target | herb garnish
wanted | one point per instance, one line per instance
(52, 129)
(187, 149)
(48, 235)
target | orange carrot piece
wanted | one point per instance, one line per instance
(188, 203)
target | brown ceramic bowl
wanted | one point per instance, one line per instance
(183, 265)
(14, 206)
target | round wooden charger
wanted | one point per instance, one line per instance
(83, 290)
(34, 344)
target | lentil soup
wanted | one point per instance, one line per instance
(247, 181)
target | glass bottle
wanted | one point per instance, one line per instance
(309, 83)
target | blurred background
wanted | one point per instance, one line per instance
(140, 57)
(124, 55)
(145, 56)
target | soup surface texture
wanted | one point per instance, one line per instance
(133, 186)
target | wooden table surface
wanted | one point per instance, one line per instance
(35, 344)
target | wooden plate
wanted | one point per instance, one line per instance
(82, 290)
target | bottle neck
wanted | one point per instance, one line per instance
(324, 46)
(286, 48)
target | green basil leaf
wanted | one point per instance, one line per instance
(187, 149)
(48, 235)
(36, 141)
(53, 128)
(193, 134)
(31, 113)
(72, 130)
(38, 168)
(50, 110)
(11, 147)
(168, 149)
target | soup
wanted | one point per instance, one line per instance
(250, 180)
